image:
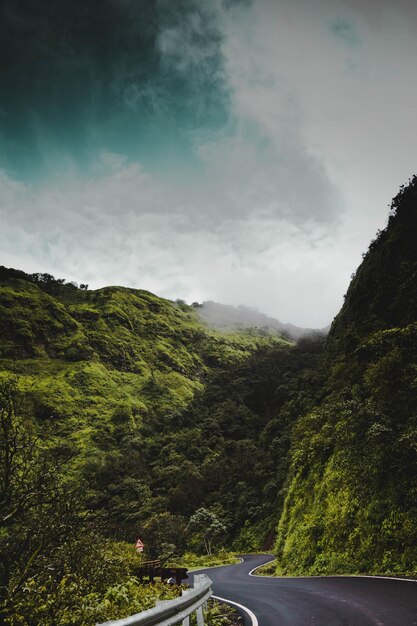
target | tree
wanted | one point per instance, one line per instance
(206, 528)
(163, 534)
(37, 511)
(20, 485)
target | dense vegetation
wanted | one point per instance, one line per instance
(122, 414)
(103, 441)
(351, 495)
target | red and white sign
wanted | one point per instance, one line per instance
(139, 545)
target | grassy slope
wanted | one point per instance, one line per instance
(87, 356)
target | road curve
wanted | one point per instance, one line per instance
(315, 601)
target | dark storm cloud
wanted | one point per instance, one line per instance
(78, 77)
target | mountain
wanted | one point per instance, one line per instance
(123, 413)
(229, 318)
(104, 435)
(350, 503)
(117, 377)
(89, 359)
(383, 292)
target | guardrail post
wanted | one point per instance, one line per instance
(198, 580)
(186, 620)
(200, 616)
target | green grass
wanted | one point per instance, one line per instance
(195, 562)
(269, 569)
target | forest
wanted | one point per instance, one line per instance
(123, 414)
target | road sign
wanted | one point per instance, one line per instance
(139, 545)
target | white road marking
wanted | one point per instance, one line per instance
(261, 575)
(407, 580)
(240, 606)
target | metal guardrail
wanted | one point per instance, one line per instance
(172, 612)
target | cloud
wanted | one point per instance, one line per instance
(290, 127)
(345, 31)
(116, 229)
(188, 42)
(343, 113)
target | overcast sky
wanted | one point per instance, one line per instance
(243, 152)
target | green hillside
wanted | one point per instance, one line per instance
(102, 408)
(351, 495)
(93, 362)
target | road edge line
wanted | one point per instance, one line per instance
(405, 580)
(261, 575)
(240, 606)
(194, 571)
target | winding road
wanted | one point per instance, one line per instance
(315, 601)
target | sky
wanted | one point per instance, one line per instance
(239, 151)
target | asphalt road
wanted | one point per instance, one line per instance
(315, 601)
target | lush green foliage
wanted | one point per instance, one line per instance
(55, 567)
(222, 614)
(101, 385)
(269, 569)
(351, 497)
(206, 529)
(193, 561)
